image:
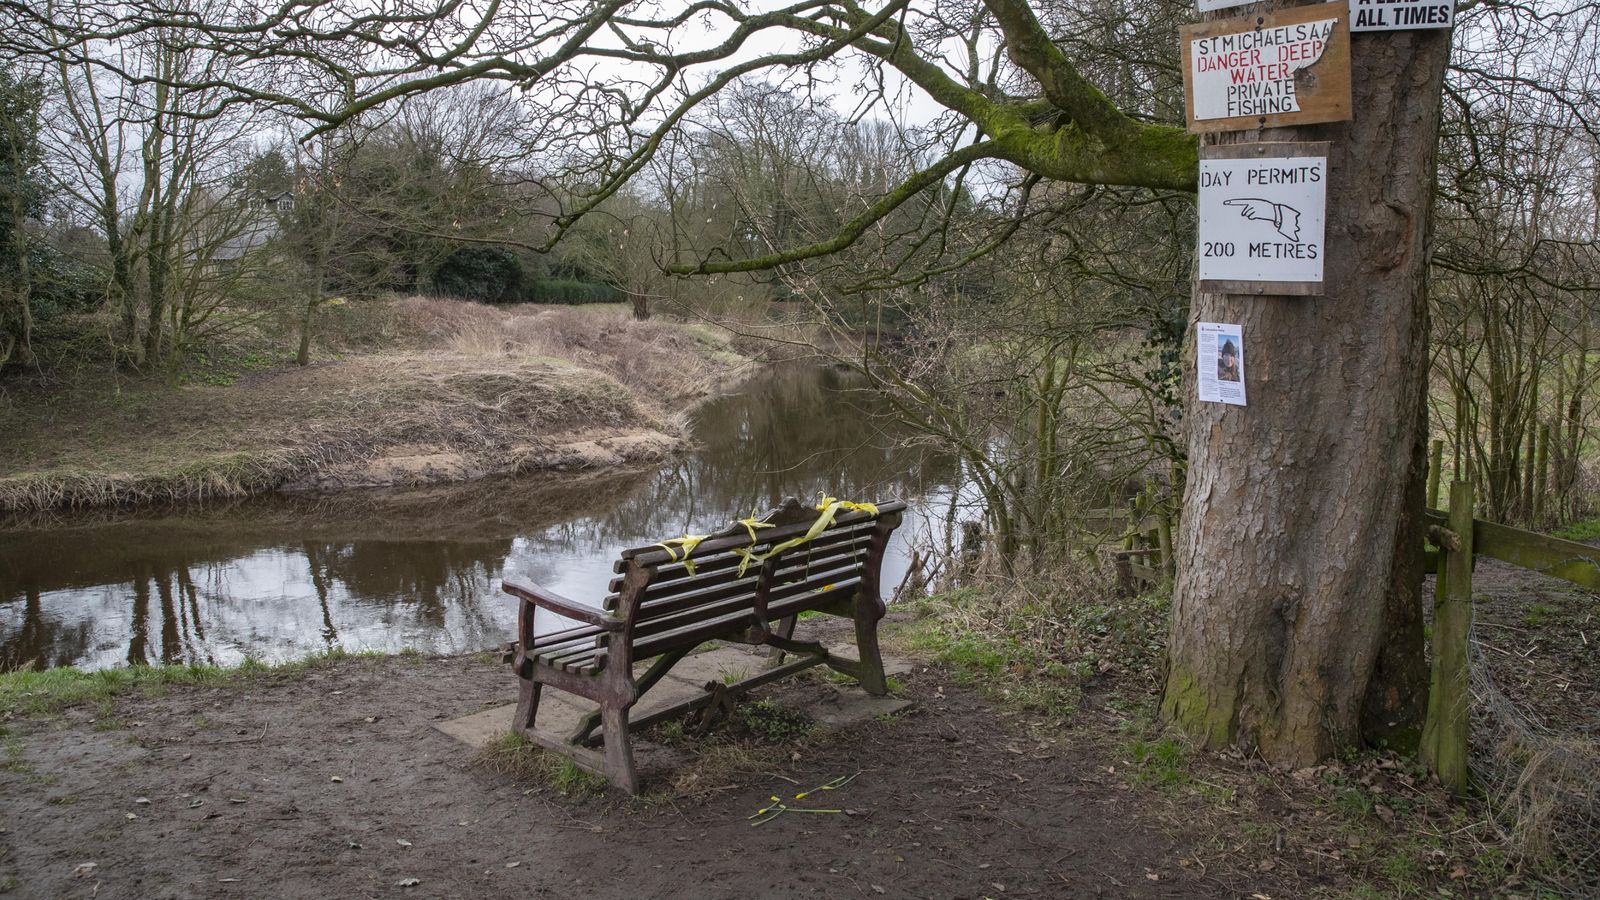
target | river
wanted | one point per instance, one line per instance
(281, 577)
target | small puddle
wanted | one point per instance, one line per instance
(277, 578)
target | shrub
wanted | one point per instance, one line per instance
(573, 293)
(484, 274)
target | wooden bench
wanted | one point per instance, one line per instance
(668, 599)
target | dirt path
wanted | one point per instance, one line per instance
(333, 783)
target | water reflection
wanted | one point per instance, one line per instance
(277, 578)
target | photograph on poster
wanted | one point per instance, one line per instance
(1219, 356)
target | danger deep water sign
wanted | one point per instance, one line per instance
(1284, 68)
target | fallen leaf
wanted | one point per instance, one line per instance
(409, 882)
(130, 817)
(878, 889)
(1152, 876)
(336, 779)
(402, 842)
(82, 869)
(513, 865)
(142, 801)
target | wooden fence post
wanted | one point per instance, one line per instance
(1435, 460)
(1444, 735)
(1169, 563)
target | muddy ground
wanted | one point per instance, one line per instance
(332, 781)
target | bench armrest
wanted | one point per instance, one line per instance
(548, 599)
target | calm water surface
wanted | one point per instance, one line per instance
(280, 577)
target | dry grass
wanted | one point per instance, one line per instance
(470, 390)
(664, 362)
(1541, 787)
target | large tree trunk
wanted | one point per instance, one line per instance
(1297, 625)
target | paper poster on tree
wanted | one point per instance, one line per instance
(1219, 355)
(1290, 67)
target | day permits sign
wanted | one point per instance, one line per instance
(1284, 68)
(1401, 15)
(1219, 356)
(1262, 218)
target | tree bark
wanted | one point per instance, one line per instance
(1296, 627)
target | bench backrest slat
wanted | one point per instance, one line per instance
(705, 565)
(663, 603)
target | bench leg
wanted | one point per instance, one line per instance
(784, 630)
(871, 676)
(619, 749)
(527, 705)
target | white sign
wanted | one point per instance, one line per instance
(1214, 5)
(1251, 73)
(1220, 358)
(1262, 219)
(1401, 15)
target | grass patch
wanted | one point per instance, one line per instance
(768, 722)
(1160, 762)
(34, 693)
(1586, 530)
(525, 762)
(1041, 645)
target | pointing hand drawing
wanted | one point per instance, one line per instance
(1286, 219)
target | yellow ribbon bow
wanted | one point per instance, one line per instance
(688, 542)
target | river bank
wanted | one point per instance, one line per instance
(436, 391)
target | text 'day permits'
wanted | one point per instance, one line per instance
(1262, 221)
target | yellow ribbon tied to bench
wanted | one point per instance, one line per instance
(829, 507)
(688, 542)
(679, 549)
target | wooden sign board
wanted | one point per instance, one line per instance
(1290, 67)
(1401, 15)
(1263, 216)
